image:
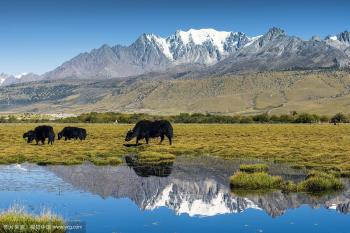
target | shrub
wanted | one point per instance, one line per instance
(284, 118)
(250, 168)
(262, 118)
(339, 118)
(254, 181)
(246, 120)
(307, 118)
(324, 119)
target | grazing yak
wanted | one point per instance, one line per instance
(39, 134)
(69, 133)
(150, 129)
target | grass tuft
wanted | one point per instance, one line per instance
(16, 219)
(315, 182)
(255, 181)
(320, 182)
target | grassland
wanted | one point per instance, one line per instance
(18, 220)
(320, 147)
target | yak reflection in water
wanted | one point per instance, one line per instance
(149, 169)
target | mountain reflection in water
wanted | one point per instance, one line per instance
(194, 186)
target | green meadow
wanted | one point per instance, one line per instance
(310, 146)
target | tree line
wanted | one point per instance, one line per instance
(114, 117)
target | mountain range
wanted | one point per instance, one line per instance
(202, 52)
(6, 79)
(193, 71)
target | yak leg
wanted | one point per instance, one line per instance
(147, 139)
(137, 141)
(170, 141)
(161, 138)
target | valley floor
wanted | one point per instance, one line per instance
(318, 146)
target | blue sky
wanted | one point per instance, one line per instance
(38, 35)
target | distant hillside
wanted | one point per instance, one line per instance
(320, 91)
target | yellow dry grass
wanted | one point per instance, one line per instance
(311, 146)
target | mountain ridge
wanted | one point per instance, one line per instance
(274, 73)
(234, 51)
(212, 52)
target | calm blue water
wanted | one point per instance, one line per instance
(190, 197)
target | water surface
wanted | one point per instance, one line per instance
(190, 195)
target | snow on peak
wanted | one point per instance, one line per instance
(19, 76)
(200, 36)
(162, 44)
(182, 45)
(333, 37)
(3, 78)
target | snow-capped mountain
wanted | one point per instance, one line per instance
(278, 51)
(203, 46)
(201, 53)
(340, 41)
(203, 49)
(343, 37)
(154, 53)
(7, 79)
(3, 77)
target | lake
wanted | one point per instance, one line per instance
(190, 195)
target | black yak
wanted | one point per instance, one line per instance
(72, 133)
(39, 134)
(151, 129)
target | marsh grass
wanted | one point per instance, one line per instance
(250, 168)
(323, 147)
(255, 181)
(315, 182)
(16, 220)
(320, 182)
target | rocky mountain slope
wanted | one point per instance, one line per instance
(201, 52)
(340, 41)
(215, 52)
(193, 71)
(153, 53)
(321, 92)
(278, 51)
